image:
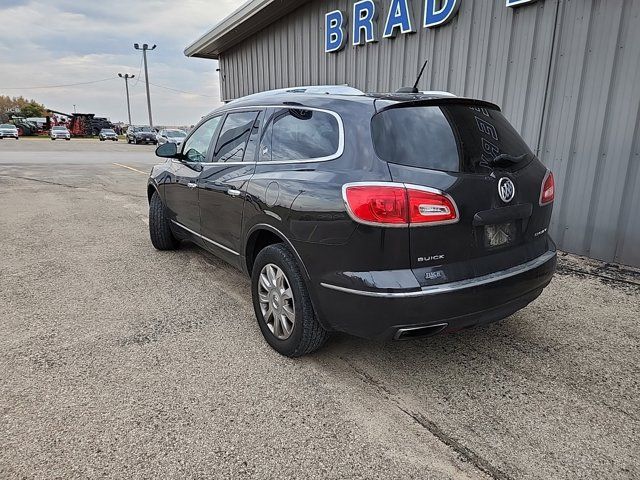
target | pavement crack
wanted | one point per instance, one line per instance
(39, 181)
(464, 452)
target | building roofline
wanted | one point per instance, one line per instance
(252, 16)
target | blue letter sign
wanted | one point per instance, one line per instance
(517, 3)
(434, 16)
(335, 35)
(399, 16)
(365, 14)
(364, 17)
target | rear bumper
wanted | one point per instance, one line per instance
(382, 313)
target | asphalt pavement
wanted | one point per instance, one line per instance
(120, 361)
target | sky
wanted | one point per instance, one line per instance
(46, 43)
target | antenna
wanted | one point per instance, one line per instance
(414, 89)
(415, 85)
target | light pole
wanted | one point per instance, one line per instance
(126, 77)
(144, 49)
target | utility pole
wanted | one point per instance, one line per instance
(126, 77)
(144, 49)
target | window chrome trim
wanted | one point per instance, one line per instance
(453, 286)
(206, 239)
(341, 136)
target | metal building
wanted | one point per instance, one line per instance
(566, 73)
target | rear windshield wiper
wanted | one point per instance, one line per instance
(505, 160)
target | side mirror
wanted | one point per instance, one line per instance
(167, 150)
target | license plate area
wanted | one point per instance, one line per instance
(500, 235)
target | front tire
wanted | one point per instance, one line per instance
(160, 226)
(282, 304)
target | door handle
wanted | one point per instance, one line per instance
(192, 185)
(234, 193)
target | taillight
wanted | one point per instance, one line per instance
(377, 204)
(430, 206)
(398, 205)
(547, 193)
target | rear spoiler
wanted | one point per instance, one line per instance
(435, 102)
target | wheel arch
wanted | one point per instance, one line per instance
(262, 235)
(151, 189)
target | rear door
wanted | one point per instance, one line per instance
(471, 153)
(223, 182)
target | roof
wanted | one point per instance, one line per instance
(326, 96)
(251, 17)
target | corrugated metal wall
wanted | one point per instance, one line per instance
(566, 73)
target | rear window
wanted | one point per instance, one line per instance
(297, 134)
(454, 138)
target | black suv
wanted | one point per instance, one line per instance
(385, 216)
(141, 135)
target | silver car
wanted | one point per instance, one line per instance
(8, 131)
(108, 134)
(171, 136)
(60, 131)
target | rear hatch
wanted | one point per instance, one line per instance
(468, 150)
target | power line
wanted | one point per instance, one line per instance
(139, 72)
(58, 86)
(182, 91)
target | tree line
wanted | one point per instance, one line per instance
(21, 107)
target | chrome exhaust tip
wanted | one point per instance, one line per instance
(419, 332)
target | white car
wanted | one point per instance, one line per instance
(8, 131)
(60, 131)
(171, 136)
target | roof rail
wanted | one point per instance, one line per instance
(309, 90)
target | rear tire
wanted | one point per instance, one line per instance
(278, 289)
(160, 226)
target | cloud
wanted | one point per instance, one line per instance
(66, 42)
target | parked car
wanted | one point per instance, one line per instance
(171, 135)
(141, 135)
(108, 134)
(60, 131)
(387, 216)
(8, 130)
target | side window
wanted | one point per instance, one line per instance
(197, 145)
(234, 136)
(295, 134)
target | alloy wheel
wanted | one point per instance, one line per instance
(276, 301)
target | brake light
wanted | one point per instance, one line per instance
(377, 204)
(547, 192)
(398, 205)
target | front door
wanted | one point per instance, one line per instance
(181, 186)
(223, 183)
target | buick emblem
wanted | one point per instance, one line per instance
(506, 189)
